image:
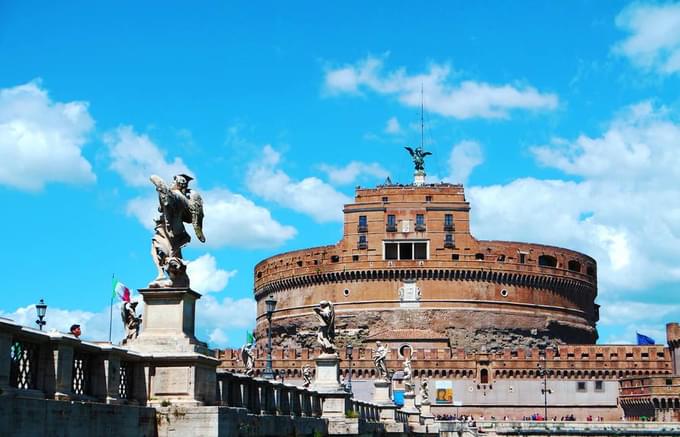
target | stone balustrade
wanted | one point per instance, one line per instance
(54, 365)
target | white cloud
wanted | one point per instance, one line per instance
(310, 196)
(135, 157)
(230, 219)
(466, 99)
(464, 157)
(216, 316)
(624, 208)
(205, 276)
(392, 126)
(654, 40)
(41, 141)
(353, 171)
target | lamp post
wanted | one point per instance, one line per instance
(350, 349)
(270, 307)
(543, 371)
(41, 309)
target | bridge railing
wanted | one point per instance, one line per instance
(54, 365)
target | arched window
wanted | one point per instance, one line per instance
(574, 266)
(484, 376)
(547, 261)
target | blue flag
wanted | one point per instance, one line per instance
(643, 339)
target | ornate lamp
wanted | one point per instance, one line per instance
(350, 349)
(41, 309)
(270, 307)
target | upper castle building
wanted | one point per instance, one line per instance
(408, 270)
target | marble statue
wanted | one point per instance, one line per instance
(379, 359)
(424, 392)
(307, 375)
(408, 382)
(326, 335)
(418, 156)
(248, 358)
(177, 205)
(131, 320)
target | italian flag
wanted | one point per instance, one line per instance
(120, 290)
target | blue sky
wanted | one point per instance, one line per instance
(562, 119)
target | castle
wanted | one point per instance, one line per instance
(507, 328)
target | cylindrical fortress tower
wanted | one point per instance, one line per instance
(407, 260)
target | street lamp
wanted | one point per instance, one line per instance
(350, 349)
(543, 371)
(41, 309)
(270, 307)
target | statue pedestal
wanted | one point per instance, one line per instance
(426, 416)
(181, 369)
(168, 322)
(381, 396)
(327, 381)
(419, 178)
(410, 409)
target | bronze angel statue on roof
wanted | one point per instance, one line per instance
(177, 205)
(418, 156)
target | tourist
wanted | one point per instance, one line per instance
(75, 330)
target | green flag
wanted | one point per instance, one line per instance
(249, 337)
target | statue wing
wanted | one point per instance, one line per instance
(426, 153)
(196, 208)
(410, 150)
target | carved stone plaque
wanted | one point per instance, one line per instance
(172, 380)
(409, 294)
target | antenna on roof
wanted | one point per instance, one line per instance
(422, 122)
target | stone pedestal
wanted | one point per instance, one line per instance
(381, 396)
(419, 178)
(182, 370)
(426, 416)
(168, 322)
(410, 409)
(327, 383)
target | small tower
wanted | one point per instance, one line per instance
(673, 339)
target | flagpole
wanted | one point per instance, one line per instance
(111, 311)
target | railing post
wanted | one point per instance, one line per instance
(62, 363)
(296, 401)
(6, 362)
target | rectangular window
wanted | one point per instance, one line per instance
(362, 220)
(385, 199)
(420, 219)
(669, 381)
(362, 239)
(391, 250)
(580, 386)
(522, 258)
(405, 250)
(599, 386)
(391, 220)
(449, 238)
(428, 198)
(420, 250)
(448, 220)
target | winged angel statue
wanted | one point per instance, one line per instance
(177, 205)
(418, 156)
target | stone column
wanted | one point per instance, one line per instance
(62, 355)
(381, 397)
(410, 409)
(327, 383)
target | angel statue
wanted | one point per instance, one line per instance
(248, 358)
(307, 376)
(326, 335)
(177, 205)
(408, 383)
(424, 392)
(379, 357)
(131, 320)
(418, 156)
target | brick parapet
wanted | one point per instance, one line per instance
(568, 361)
